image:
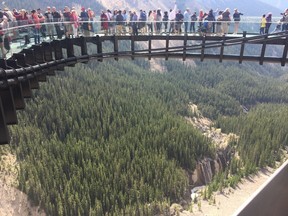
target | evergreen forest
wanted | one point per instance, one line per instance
(110, 138)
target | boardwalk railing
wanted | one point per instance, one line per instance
(24, 69)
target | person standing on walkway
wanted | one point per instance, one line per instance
(171, 17)
(119, 23)
(226, 21)
(49, 18)
(263, 25)
(218, 23)
(268, 22)
(193, 22)
(186, 20)
(165, 21)
(37, 26)
(104, 22)
(236, 18)
(85, 22)
(158, 21)
(56, 19)
(134, 23)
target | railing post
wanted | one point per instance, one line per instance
(132, 46)
(99, 48)
(4, 135)
(56, 44)
(47, 51)
(167, 47)
(9, 106)
(149, 47)
(69, 47)
(39, 54)
(242, 47)
(203, 48)
(116, 47)
(222, 49)
(24, 82)
(21, 60)
(184, 48)
(263, 50)
(285, 51)
(31, 60)
(16, 89)
(83, 45)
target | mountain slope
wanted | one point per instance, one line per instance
(248, 7)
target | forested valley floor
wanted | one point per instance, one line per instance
(111, 138)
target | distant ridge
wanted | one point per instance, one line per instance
(248, 7)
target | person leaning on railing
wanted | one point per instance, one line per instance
(284, 20)
(236, 17)
(225, 21)
(268, 22)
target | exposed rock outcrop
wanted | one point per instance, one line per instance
(207, 168)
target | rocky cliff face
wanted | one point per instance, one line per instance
(12, 201)
(207, 168)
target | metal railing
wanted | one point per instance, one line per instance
(23, 34)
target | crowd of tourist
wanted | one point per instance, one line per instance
(53, 23)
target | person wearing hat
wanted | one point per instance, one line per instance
(236, 18)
